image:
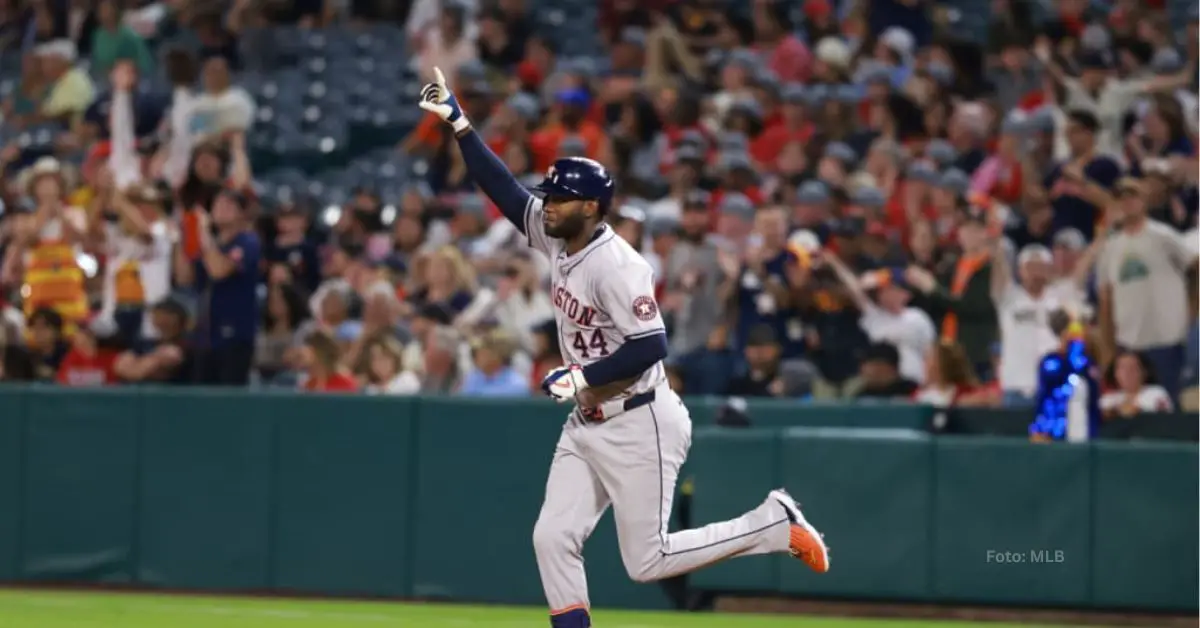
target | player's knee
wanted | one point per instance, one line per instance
(643, 572)
(550, 539)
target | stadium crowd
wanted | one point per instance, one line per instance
(857, 199)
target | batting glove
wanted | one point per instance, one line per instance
(437, 99)
(564, 382)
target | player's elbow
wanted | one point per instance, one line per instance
(656, 348)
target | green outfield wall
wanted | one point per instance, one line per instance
(436, 498)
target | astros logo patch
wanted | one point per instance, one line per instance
(644, 308)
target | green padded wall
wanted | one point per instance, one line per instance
(343, 493)
(871, 493)
(80, 479)
(206, 474)
(1144, 521)
(999, 505)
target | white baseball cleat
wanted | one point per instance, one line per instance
(806, 543)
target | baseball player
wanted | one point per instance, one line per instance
(628, 435)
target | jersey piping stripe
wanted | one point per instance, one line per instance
(662, 540)
(570, 264)
(646, 334)
(528, 211)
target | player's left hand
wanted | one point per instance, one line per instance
(564, 382)
(437, 99)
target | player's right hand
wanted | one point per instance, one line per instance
(437, 99)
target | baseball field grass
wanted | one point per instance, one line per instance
(59, 609)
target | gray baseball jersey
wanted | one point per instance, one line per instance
(603, 296)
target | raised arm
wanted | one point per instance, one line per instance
(485, 168)
(846, 276)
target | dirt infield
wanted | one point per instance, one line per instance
(961, 613)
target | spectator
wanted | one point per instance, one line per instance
(1080, 188)
(70, 91)
(889, 318)
(879, 374)
(138, 253)
(1024, 309)
(22, 106)
(692, 273)
(629, 222)
(762, 354)
(16, 363)
(949, 379)
(545, 353)
(46, 344)
(448, 45)
(520, 301)
(176, 155)
(1132, 390)
(87, 363)
(320, 360)
(496, 47)
(763, 286)
(385, 374)
(492, 374)
(786, 56)
(293, 247)
(45, 243)
(448, 281)
(333, 307)
(1145, 262)
(168, 358)
(113, 41)
(1103, 94)
(440, 360)
(968, 313)
(283, 313)
(226, 278)
(222, 107)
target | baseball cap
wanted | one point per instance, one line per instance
(731, 141)
(954, 180)
(922, 171)
(747, 106)
(793, 93)
(842, 152)
(734, 161)
(868, 197)
(688, 153)
(576, 96)
(697, 199)
(632, 212)
(760, 336)
(661, 226)
(1071, 238)
(941, 152)
(812, 193)
(1035, 253)
(737, 204)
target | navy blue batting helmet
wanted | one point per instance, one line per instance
(580, 178)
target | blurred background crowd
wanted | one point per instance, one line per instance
(870, 199)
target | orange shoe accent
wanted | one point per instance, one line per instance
(564, 611)
(807, 548)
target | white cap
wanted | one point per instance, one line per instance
(62, 48)
(1034, 253)
(834, 51)
(899, 40)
